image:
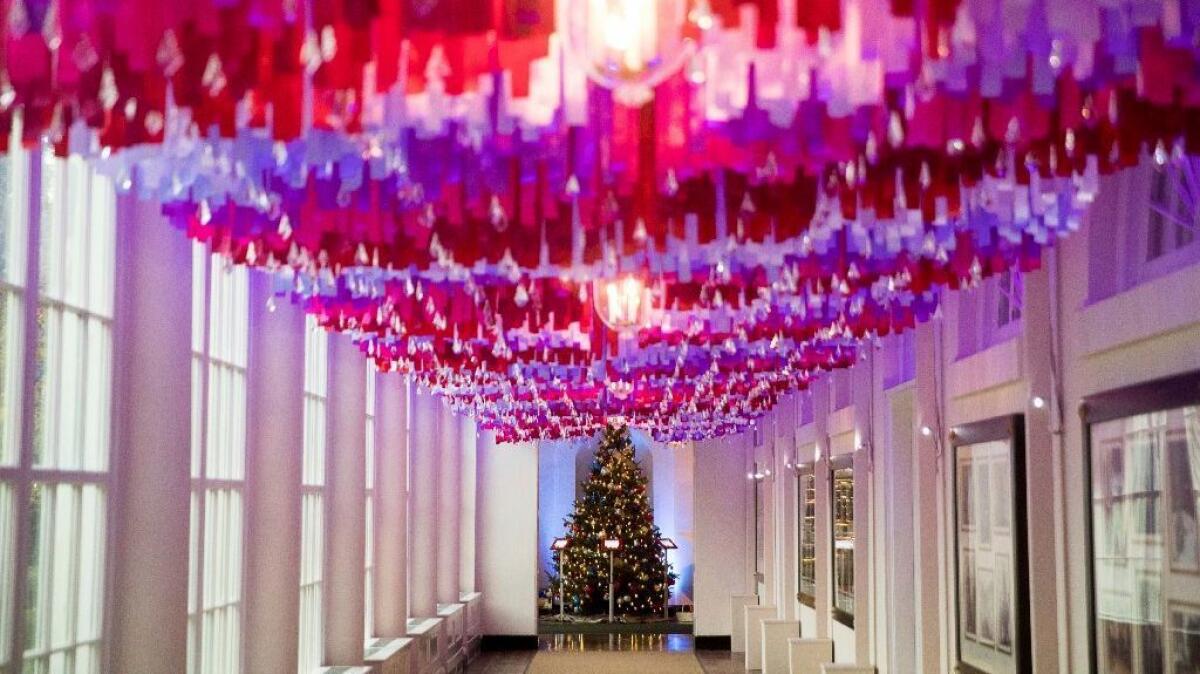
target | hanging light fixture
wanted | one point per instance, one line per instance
(632, 46)
(623, 303)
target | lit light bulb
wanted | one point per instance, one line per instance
(926, 431)
(1038, 402)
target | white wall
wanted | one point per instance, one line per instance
(673, 500)
(720, 514)
(506, 536)
(556, 496)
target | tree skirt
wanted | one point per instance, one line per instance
(614, 663)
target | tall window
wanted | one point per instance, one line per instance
(14, 201)
(312, 499)
(220, 315)
(991, 313)
(843, 540)
(1174, 216)
(369, 560)
(1145, 228)
(53, 488)
(808, 536)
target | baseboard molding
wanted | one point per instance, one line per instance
(713, 642)
(509, 642)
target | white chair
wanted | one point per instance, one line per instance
(755, 615)
(806, 656)
(775, 635)
(737, 629)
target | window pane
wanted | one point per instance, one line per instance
(72, 391)
(14, 202)
(11, 326)
(1173, 218)
(220, 628)
(73, 356)
(65, 577)
(369, 575)
(8, 549)
(312, 559)
(14, 214)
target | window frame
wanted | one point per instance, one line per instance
(806, 471)
(29, 215)
(201, 483)
(316, 394)
(1011, 428)
(979, 309)
(838, 463)
(1170, 256)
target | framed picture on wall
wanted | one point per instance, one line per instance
(1142, 465)
(991, 564)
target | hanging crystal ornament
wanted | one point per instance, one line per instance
(632, 46)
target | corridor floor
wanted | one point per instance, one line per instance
(610, 653)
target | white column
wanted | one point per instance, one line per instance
(152, 405)
(467, 512)
(423, 502)
(1041, 467)
(822, 392)
(786, 490)
(866, 380)
(345, 528)
(391, 498)
(449, 503)
(764, 456)
(508, 504)
(926, 457)
(275, 436)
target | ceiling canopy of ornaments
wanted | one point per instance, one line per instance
(558, 213)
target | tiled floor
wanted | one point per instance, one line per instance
(516, 662)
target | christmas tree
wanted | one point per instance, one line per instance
(615, 504)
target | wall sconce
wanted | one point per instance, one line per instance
(1038, 402)
(926, 431)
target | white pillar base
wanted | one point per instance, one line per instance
(390, 656)
(807, 656)
(429, 640)
(472, 622)
(775, 635)
(737, 629)
(454, 618)
(847, 669)
(755, 615)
